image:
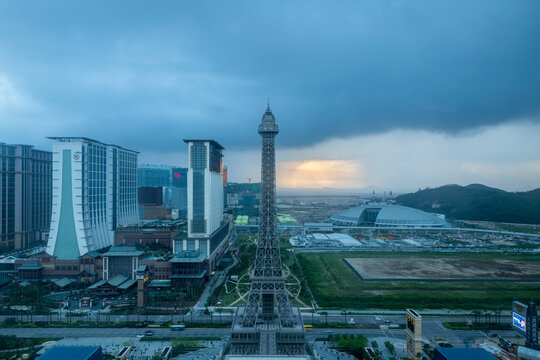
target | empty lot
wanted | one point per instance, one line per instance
(443, 269)
(494, 280)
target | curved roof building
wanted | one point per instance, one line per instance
(386, 215)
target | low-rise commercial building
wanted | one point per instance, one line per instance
(121, 260)
(73, 353)
(113, 287)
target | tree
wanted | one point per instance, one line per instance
(325, 317)
(211, 313)
(344, 313)
(476, 314)
(219, 310)
(390, 347)
(10, 321)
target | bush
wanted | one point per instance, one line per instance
(390, 347)
(177, 349)
(10, 321)
(352, 344)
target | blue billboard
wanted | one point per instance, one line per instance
(519, 322)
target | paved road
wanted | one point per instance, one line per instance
(333, 317)
(456, 337)
(432, 328)
(131, 332)
(110, 332)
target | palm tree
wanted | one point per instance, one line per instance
(344, 313)
(325, 317)
(219, 310)
(476, 314)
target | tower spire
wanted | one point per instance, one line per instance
(268, 324)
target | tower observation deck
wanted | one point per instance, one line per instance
(268, 324)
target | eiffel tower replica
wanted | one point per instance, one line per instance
(268, 325)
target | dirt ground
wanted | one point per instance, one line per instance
(444, 269)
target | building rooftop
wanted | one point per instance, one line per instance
(188, 257)
(268, 357)
(127, 284)
(63, 282)
(84, 139)
(189, 276)
(160, 283)
(97, 284)
(93, 253)
(117, 280)
(387, 215)
(213, 142)
(317, 224)
(123, 251)
(30, 266)
(72, 353)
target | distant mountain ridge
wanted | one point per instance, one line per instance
(328, 191)
(483, 187)
(477, 202)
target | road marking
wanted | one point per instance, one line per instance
(441, 325)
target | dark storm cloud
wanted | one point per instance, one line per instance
(144, 75)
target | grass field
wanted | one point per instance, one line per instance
(247, 247)
(335, 285)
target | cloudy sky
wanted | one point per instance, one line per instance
(396, 94)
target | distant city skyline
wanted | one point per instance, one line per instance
(399, 95)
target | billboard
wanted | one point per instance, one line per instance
(410, 323)
(519, 322)
(519, 308)
(519, 314)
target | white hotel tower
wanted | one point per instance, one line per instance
(205, 187)
(94, 192)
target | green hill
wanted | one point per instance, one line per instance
(477, 202)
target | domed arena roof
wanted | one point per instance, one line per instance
(386, 215)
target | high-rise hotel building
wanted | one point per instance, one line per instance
(208, 234)
(205, 187)
(94, 192)
(25, 195)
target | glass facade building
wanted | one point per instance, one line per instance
(154, 176)
(204, 187)
(207, 236)
(25, 195)
(94, 192)
(171, 181)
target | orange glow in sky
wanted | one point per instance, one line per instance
(318, 174)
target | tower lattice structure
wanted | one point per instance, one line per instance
(268, 325)
(268, 277)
